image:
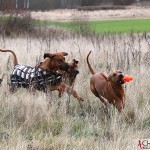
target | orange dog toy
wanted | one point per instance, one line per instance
(127, 79)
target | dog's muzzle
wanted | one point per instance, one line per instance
(64, 67)
(120, 77)
(76, 72)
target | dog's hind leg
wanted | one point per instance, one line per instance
(13, 87)
(94, 91)
(101, 99)
(105, 106)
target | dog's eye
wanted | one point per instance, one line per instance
(60, 60)
(114, 74)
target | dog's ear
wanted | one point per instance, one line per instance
(44, 65)
(113, 74)
(64, 53)
(48, 55)
(75, 61)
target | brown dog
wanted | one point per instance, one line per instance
(43, 76)
(69, 77)
(108, 87)
(52, 64)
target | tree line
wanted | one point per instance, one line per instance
(54, 4)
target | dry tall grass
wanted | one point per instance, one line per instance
(69, 14)
(40, 122)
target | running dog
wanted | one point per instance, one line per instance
(43, 76)
(108, 88)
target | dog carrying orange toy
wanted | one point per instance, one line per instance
(109, 89)
(127, 78)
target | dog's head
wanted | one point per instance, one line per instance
(71, 73)
(116, 77)
(55, 61)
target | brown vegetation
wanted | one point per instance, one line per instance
(41, 122)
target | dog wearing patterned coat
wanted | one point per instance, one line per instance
(43, 76)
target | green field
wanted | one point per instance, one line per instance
(107, 26)
(121, 26)
(103, 26)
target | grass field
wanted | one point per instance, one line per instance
(121, 26)
(107, 26)
(104, 26)
(39, 122)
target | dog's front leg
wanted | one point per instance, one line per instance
(105, 106)
(58, 88)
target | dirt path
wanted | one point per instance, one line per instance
(69, 14)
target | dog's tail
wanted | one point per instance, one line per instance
(15, 57)
(90, 68)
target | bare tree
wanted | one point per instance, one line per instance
(16, 4)
(26, 4)
(66, 3)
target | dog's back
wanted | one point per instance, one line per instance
(26, 76)
(99, 80)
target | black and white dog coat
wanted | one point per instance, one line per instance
(26, 76)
